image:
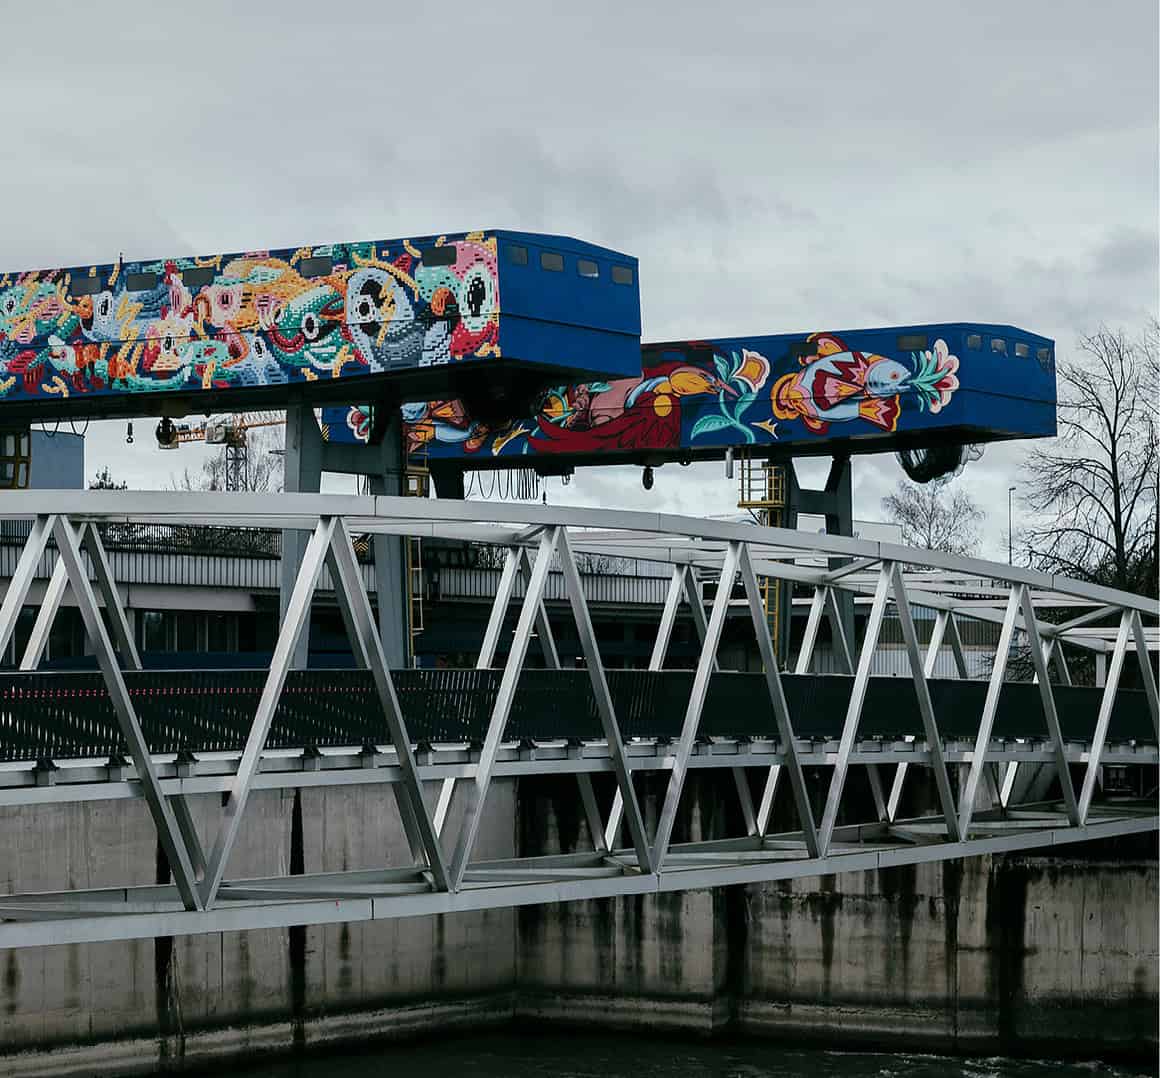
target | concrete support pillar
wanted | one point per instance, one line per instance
(307, 457)
(835, 502)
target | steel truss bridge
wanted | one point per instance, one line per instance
(166, 737)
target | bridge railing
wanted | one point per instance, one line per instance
(969, 741)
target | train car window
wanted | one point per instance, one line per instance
(974, 341)
(552, 261)
(1022, 350)
(798, 349)
(316, 266)
(517, 255)
(197, 276)
(587, 268)
(439, 256)
(84, 286)
(145, 281)
(999, 345)
(622, 275)
(913, 342)
(1043, 355)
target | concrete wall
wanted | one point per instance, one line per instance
(1055, 955)
(127, 1007)
(1017, 954)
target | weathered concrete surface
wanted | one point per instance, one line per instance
(1019, 954)
(1049, 954)
(139, 1005)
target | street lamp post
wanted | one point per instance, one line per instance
(1010, 537)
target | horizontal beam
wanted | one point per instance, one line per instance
(85, 928)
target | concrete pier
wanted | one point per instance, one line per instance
(1055, 955)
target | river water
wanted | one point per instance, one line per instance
(505, 1055)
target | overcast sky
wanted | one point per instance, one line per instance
(777, 167)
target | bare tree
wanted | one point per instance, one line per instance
(104, 480)
(934, 518)
(1094, 489)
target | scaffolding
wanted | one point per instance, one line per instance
(762, 490)
(416, 484)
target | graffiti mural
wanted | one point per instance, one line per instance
(705, 395)
(256, 319)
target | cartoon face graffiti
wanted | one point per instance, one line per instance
(250, 319)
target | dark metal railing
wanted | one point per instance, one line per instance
(58, 715)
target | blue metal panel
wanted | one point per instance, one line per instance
(867, 390)
(582, 320)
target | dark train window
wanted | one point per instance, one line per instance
(803, 348)
(913, 342)
(439, 256)
(622, 275)
(999, 345)
(550, 260)
(316, 266)
(84, 286)
(1043, 355)
(974, 340)
(141, 282)
(1022, 350)
(517, 255)
(197, 276)
(587, 268)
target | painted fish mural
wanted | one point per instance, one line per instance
(696, 395)
(842, 385)
(702, 395)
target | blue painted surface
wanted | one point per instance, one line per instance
(867, 389)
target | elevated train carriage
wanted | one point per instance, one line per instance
(925, 390)
(492, 317)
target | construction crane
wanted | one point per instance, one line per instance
(230, 431)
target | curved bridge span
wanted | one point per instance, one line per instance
(872, 771)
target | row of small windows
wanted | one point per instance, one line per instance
(999, 347)
(553, 262)
(322, 265)
(919, 342)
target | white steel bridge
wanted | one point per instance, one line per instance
(984, 745)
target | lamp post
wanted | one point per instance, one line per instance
(1010, 537)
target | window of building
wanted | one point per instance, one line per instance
(444, 255)
(974, 341)
(316, 266)
(145, 281)
(517, 254)
(1043, 355)
(197, 276)
(622, 275)
(913, 342)
(999, 345)
(552, 261)
(587, 268)
(84, 286)
(1023, 351)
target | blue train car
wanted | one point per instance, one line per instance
(492, 317)
(900, 388)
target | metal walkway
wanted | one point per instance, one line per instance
(168, 736)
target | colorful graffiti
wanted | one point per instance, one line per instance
(701, 395)
(262, 318)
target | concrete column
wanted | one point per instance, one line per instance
(307, 457)
(836, 503)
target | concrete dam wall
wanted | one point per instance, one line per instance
(1055, 954)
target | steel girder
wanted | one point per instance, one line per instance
(540, 541)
